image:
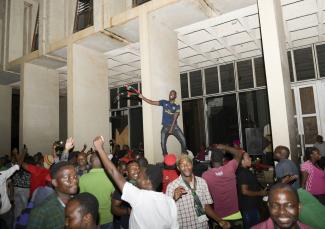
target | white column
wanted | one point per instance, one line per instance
(159, 75)
(87, 95)
(277, 75)
(39, 108)
(5, 119)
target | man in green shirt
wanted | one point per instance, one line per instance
(50, 214)
(97, 183)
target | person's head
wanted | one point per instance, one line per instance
(144, 181)
(39, 159)
(217, 157)
(312, 154)
(185, 165)
(319, 138)
(143, 163)
(172, 95)
(121, 166)
(283, 204)
(82, 212)
(95, 160)
(281, 152)
(64, 178)
(246, 161)
(132, 170)
(82, 159)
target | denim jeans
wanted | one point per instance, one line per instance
(177, 132)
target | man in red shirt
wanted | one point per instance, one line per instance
(221, 180)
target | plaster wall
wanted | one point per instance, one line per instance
(39, 108)
(159, 75)
(87, 95)
(56, 20)
(5, 119)
(63, 118)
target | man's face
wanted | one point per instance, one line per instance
(73, 216)
(246, 161)
(144, 182)
(185, 167)
(284, 208)
(172, 95)
(277, 154)
(133, 171)
(82, 160)
(66, 180)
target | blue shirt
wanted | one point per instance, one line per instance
(169, 109)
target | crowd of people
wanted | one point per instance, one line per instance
(93, 189)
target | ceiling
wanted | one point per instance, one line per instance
(233, 35)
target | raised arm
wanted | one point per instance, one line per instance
(151, 102)
(108, 165)
(69, 144)
(237, 153)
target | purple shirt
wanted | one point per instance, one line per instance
(268, 224)
(222, 186)
(315, 183)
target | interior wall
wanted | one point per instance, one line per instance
(5, 119)
(56, 20)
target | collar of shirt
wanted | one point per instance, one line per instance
(96, 170)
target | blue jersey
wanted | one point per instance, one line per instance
(169, 109)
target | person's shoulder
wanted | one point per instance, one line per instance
(175, 183)
(46, 204)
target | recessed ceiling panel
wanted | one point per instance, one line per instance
(302, 22)
(238, 38)
(300, 34)
(186, 52)
(197, 37)
(228, 28)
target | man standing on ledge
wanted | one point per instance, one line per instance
(169, 120)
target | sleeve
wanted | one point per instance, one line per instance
(131, 194)
(178, 108)
(278, 171)
(207, 199)
(36, 219)
(233, 164)
(170, 190)
(305, 167)
(32, 169)
(173, 210)
(10, 171)
(241, 178)
(162, 102)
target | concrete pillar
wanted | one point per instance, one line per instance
(159, 75)
(87, 95)
(277, 75)
(5, 119)
(39, 108)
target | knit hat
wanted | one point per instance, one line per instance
(170, 159)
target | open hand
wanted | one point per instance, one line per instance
(69, 144)
(99, 143)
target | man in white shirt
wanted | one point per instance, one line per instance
(149, 209)
(6, 213)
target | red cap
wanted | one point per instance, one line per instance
(170, 159)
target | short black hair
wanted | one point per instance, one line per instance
(88, 204)
(55, 168)
(309, 151)
(217, 156)
(143, 162)
(132, 162)
(284, 187)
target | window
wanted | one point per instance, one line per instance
(321, 59)
(290, 66)
(136, 127)
(304, 64)
(184, 85)
(260, 72)
(227, 77)
(114, 98)
(245, 74)
(196, 83)
(84, 15)
(222, 119)
(123, 97)
(211, 80)
(139, 2)
(134, 100)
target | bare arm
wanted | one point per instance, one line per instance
(151, 102)
(108, 165)
(117, 210)
(245, 191)
(212, 214)
(237, 153)
(304, 177)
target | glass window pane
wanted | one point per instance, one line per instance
(184, 85)
(136, 127)
(255, 120)
(304, 63)
(222, 119)
(193, 120)
(227, 77)
(310, 129)
(307, 100)
(290, 66)
(123, 97)
(245, 74)
(196, 83)
(321, 59)
(260, 72)
(211, 80)
(134, 100)
(113, 98)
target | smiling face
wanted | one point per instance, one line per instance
(66, 180)
(133, 171)
(284, 208)
(82, 159)
(185, 166)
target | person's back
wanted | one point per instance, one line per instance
(222, 186)
(97, 183)
(286, 167)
